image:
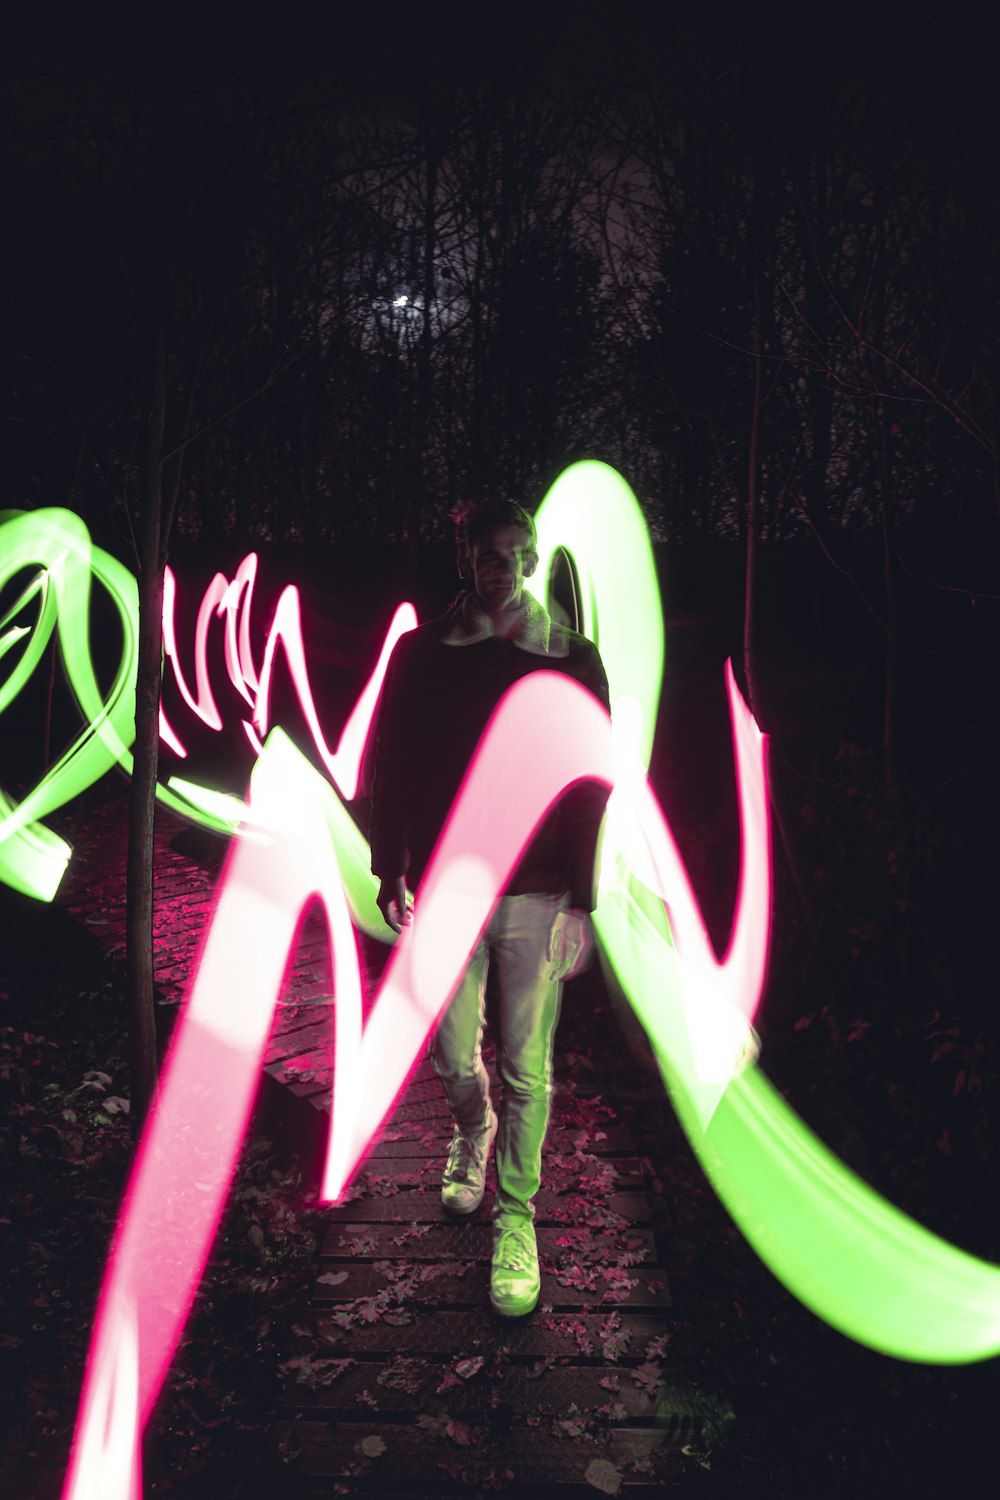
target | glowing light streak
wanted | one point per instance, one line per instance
(178, 1186)
(717, 1000)
(591, 513)
(107, 1462)
(234, 601)
(57, 544)
(344, 763)
(218, 809)
(842, 1249)
(256, 743)
(169, 738)
(203, 704)
(39, 585)
(355, 734)
(239, 657)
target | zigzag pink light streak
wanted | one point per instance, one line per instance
(178, 1187)
(234, 601)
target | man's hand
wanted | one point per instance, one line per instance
(395, 903)
(570, 944)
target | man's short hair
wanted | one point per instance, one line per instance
(475, 520)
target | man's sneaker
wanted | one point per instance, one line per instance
(464, 1180)
(514, 1280)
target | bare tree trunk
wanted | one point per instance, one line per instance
(417, 499)
(753, 486)
(153, 283)
(50, 689)
(436, 108)
(761, 202)
(889, 781)
(142, 801)
(885, 474)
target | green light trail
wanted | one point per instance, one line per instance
(842, 1249)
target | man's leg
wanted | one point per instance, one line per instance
(529, 1014)
(456, 1057)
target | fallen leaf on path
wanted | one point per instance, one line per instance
(602, 1475)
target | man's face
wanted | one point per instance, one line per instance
(501, 560)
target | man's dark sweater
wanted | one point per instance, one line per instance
(443, 683)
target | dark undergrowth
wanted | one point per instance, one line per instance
(66, 1146)
(814, 1413)
(878, 1025)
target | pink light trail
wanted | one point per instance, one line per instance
(234, 601)
(178, 1187)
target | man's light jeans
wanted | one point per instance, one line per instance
(516, 939)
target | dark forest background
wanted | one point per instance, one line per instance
(369, 266)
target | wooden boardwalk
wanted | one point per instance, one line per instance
(405, 1382)
(407, 1377)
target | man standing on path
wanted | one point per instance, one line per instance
(444, 681)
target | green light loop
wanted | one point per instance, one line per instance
(591, 513)
(57, 544)
(842, 1249)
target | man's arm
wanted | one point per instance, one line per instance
(571, 940)
(582, 809)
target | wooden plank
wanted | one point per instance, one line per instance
(466, 1283)
(472, 1454)
(315, 1038)
(298, 1010)
(434, 1110)
(423, 1100)
(414, 1206)
(399, 1386)
(428, 1148)
(307, 1082)
(562, 1171)
(609, 1140)
(466, 1240)
(460, 1334)
(407, 1137)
